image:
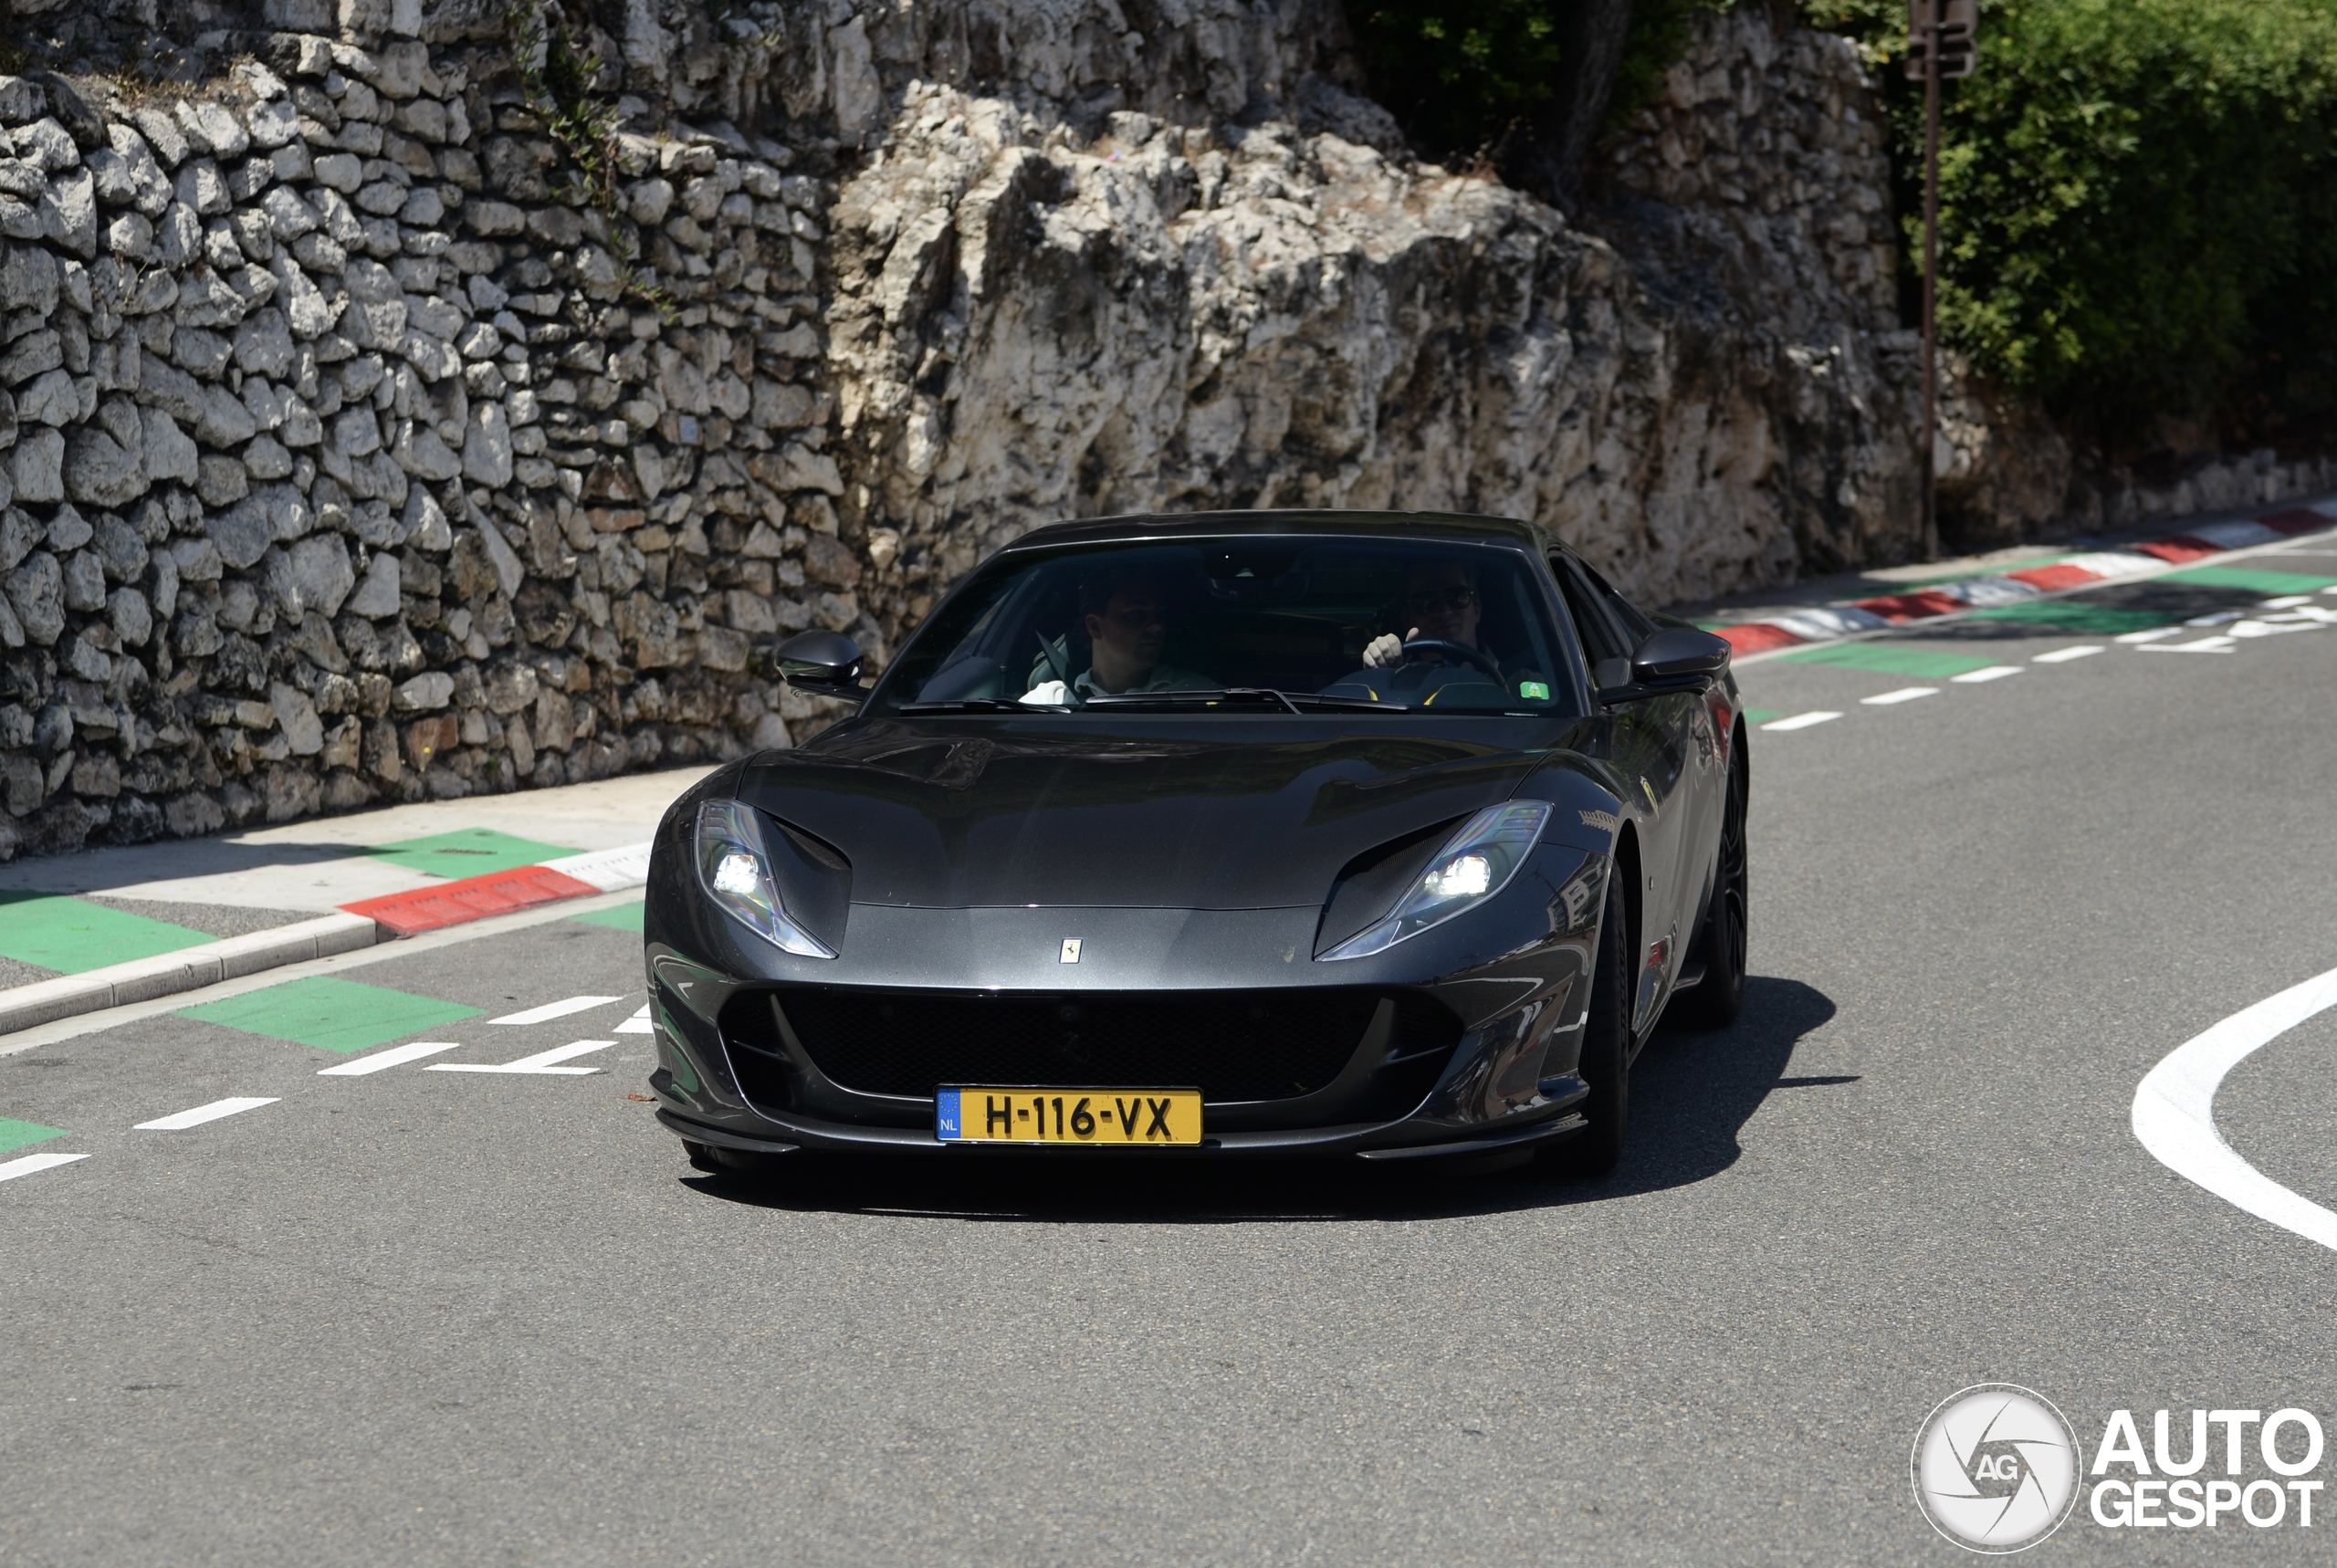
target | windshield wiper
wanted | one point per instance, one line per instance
(1289, 700)
(979, 705)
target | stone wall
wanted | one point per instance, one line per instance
(339, 463)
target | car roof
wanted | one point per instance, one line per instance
(1456, 527)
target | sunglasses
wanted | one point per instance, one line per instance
(1453, 598)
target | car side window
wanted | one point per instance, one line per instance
(1602, 640)
(1636, 625)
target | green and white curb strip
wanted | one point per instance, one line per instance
(2013, 589)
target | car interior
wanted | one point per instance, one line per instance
(1291, 615)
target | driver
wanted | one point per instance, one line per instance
(1127, 617)
(1440, 601)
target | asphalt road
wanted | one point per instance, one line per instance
(421, 1317)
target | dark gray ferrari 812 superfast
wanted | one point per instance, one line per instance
(1366, 835)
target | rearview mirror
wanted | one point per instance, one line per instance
(827, 663)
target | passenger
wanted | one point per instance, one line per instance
(1127, 617)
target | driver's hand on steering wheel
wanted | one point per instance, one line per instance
(1386, 650)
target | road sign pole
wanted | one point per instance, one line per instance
(1930, 436)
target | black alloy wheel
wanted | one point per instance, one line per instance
(1606, 1053)
(1721, 946)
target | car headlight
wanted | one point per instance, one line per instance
(734, 868)
(1475, 863)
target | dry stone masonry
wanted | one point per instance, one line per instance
(338, 465)
(375, 425)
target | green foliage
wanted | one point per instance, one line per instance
(1463, 75)
(1459, 73)
(2138, 205)
(1659, 37)
(558, 79)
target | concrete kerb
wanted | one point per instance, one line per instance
(166, 974)
(292, 967)
(274, 868)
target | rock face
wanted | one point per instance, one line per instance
(1174, 310)
(357, 443)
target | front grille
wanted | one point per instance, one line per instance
(1232, 1045)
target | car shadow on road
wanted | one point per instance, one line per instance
(1692, 1094)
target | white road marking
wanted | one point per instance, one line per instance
(1801, 721)
(2174, 1110)
(1993, 673)
(11, 1169)
(639, 1023)
(2203, 645)
(550, 1010)
(1903, 694)
(2214, 618)
(200, 1114)
(544, 1061)
(2286, 602)
(2153, 636)
(2063, 655)
(396, 1056)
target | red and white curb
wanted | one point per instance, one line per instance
(1801, 627)
(502, 892)
(358, 924)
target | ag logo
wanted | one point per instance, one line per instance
(1995, 1468)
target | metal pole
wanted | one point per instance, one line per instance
(1931, 274)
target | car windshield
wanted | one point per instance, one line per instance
(1241, 624)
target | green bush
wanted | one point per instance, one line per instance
(2138, 206)
(1464, 76)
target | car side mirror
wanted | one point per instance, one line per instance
(824, 662)
(1679, 654)
(1674, 659)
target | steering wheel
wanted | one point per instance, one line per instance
(1452, 650)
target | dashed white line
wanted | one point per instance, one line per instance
(1903, 694)
(2063, 655)
(639, 1023)
(1800, 720)
(396, 1056)
(2203, 645)
(2174, 1110)
(2153, 636)
(200, 1114)
(544, 1061)
(1993, 673)
(550, 1010)
(27, 1165)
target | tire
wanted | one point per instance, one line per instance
(1721, 946)
(702, 1159)
(1605, 1054)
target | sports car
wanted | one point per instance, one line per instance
(1362, 835)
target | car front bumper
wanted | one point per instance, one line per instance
(1472, 1049)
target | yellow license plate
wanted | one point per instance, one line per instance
(1107, 1118)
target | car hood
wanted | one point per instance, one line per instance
(941, 818)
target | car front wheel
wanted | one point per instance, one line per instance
(1605, 1054)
